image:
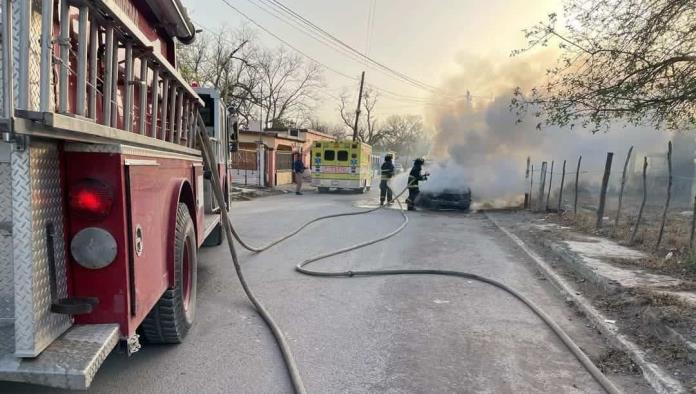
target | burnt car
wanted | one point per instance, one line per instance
(459, 199)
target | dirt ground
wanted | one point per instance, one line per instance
(656, 321)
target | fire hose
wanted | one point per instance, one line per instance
(293, 371)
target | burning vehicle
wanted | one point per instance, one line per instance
(446, 188)
(447, 198)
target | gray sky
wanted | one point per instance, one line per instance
(425, 40)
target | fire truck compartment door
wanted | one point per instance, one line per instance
(148, 229)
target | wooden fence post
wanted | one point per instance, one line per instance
(642, 204)
(526, 176)
(560, 193)
(548, 195)
(531, 187)
(603, 191)
(542, 183)
(577, 178)
(623, 184)
(693, 226)
(669, 194)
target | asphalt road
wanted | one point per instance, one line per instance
(365, 335)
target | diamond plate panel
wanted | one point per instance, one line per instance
(26, 51)
(2, 61)
(17, 27)
(36, 203)
(70, 362)
(34, 69)
(6, 275)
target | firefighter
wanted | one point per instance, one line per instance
(387, 172)
(414, 177)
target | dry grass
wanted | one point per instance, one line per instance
(675, 240)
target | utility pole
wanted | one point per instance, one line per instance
(261, 122)
(357, 111)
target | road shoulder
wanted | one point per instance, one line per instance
(589, 296)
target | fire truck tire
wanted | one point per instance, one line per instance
(171, 318)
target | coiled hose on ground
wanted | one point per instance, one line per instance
(293, 370)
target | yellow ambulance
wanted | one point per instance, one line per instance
(341, 165)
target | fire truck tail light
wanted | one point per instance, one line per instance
(92, 198)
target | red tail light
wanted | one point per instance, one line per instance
(92, 198)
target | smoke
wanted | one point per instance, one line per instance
(479, 145)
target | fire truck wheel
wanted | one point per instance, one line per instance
(172, 316)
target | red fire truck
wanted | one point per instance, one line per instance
(103, 194)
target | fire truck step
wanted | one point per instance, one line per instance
(211, 222)
(74, 305)
(70, 362)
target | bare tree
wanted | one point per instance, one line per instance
(226, 62)
(628, 60)
(336, 130)
(253, 80)
(289, 86)
(405, 134)
(192, 59)
(368, 126)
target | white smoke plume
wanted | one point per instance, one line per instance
(479, 145)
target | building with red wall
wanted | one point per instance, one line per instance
(272, 151)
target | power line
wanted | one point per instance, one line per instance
(295, 25)
(395, 96)
(322, 36)
(284, 42)
(410, 100)
(310, 24)
(345, 48)
(333, 46)
(370, 24)
(244, 15)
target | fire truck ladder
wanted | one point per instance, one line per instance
(99, 79)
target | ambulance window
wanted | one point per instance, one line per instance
(354, 156)
(318, 154)
(329, 155)
(342, 155)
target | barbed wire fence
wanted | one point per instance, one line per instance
(633, 204)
